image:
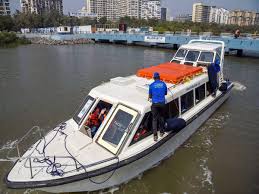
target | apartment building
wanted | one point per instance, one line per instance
(41, 6)
(164, 14)
(243, 18)
(114, 9)
(183, 18)
(151, 9)
(200, 12)
(218, 15)
(5, 7)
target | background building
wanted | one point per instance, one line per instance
(41, 6)
(151, 9)
(82, 13)
(115, 9)
(164, 14)
(218, 15)
(5, 7)
(243, 18)
(200, 12)
(183, 18)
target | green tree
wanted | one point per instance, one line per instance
(103, 20)
(6, 23)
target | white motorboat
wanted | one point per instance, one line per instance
(109, 141)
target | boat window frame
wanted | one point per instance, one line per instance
(205, 62)
(180, 58)
(193, 103)
(79, 122)
(108, 146)
(149, 133)
(97, 101)
(188, 53)
(204, 97)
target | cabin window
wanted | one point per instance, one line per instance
(117, 128)
(84, 109)
(181, 53)
(96, 118)
(144, 130)
(65, 29)
(200, 94)
(192, 56)
(172, 109)
(187, 102)
(206, 57)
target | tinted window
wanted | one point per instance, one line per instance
(172, 109)
(144, 130)
(187, 101)
(206, 57)
(192, 56)
(118, 127)
(200, 94)
(181, 53)
(84, 109)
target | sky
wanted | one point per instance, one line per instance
(175, 7)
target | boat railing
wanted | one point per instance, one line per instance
(17, 149)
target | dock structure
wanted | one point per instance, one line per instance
(163, 40)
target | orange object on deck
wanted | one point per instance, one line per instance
(171, 72)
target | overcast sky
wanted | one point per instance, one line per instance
(175, 7)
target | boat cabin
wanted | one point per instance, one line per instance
(117, 115)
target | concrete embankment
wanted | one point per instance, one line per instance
(46, 41)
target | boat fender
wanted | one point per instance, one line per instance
(174, 124)
(224, 86)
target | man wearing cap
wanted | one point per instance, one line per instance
(157, 92)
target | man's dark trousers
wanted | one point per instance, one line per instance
(158, 117)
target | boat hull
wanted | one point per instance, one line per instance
(133, 169)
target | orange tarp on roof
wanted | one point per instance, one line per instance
(170, 72)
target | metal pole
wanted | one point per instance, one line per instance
(30, 168)
(18, 151)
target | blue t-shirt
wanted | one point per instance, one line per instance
(158, 90)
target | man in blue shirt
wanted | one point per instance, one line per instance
(157, 92)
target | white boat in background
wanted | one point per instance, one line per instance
(109, 141)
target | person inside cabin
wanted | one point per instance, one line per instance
(93, 121)
(157, 93)
(102, 115)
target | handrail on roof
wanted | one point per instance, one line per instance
(208, 41)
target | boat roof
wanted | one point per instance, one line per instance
(133, 90)
(203, 46)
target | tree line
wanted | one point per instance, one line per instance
(54, 19)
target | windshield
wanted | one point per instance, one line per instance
(181, 53)
(192, 56)
(118, 127)
(206, 57)
(84, 109)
